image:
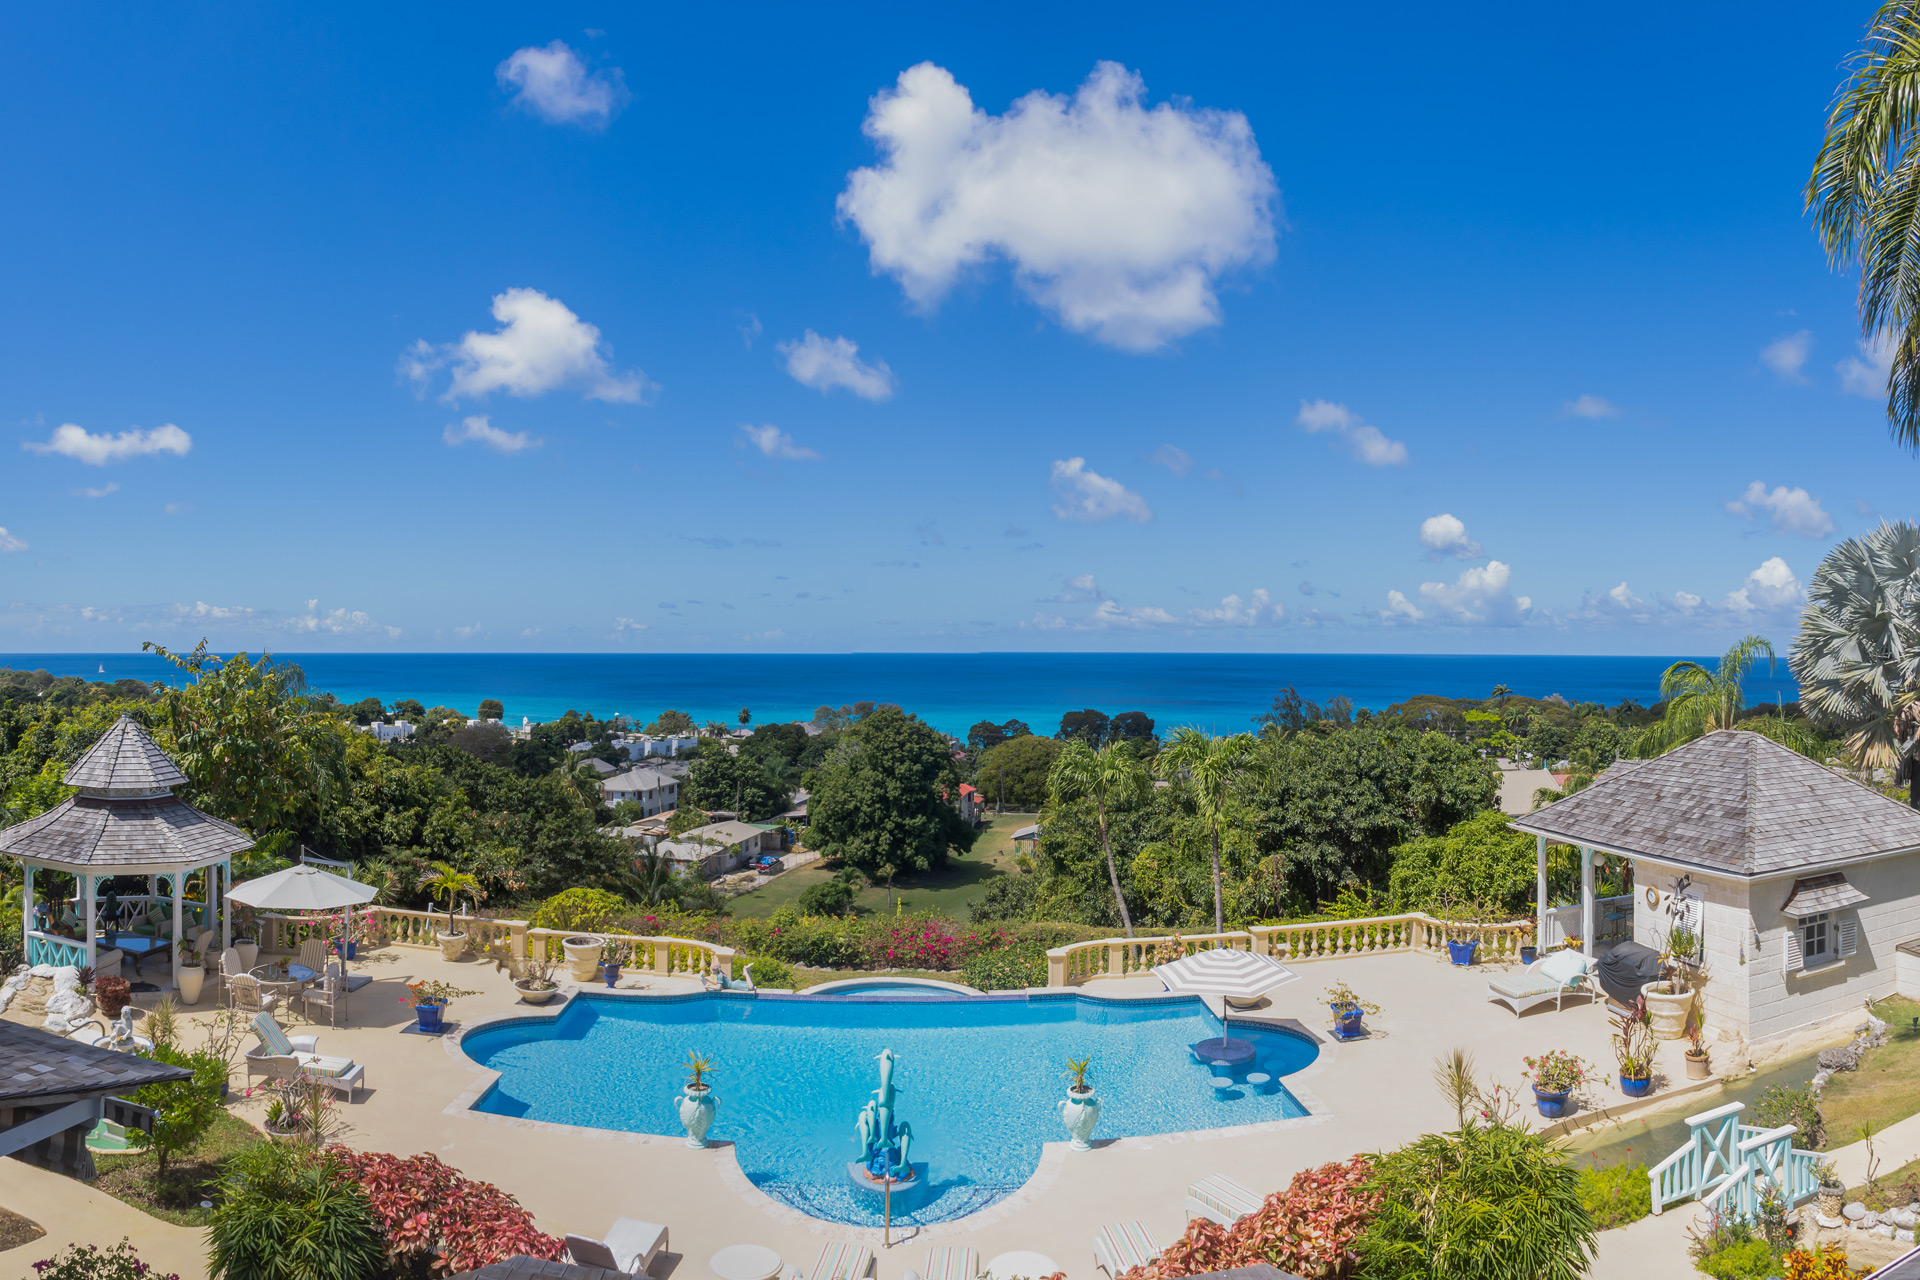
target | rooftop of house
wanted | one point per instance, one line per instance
(730, 832)
(39, 1064)
(638, 780)
(1735, 803)
(125, 759)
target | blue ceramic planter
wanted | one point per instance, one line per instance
(1346, 1018)
(1529, 954)
(429, 1015)
(611, 972)
(1636, 1088)
(1552, 1105)
(1462, 952)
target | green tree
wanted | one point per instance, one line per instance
(1209, 768)
(884, 796)
(1700, 701)
(1482, 859)
(1865, 197)
(1857, 657)
(671, 724)
(742, 783)
(1088, 726)
(443, 880)
(491, 709)
(183, 1109)
(292, 1213)
(1108, 776)
(1015, 772)
(746, 715)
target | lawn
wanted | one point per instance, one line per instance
(191, 1178)
(1887, 1085)
(950, 892)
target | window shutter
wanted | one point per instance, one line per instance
(1791, 952)
(1849, 930)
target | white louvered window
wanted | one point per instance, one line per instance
(1821, 940)
(1815, 940)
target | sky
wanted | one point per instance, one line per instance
(1272, 327)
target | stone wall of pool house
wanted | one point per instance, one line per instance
(1725, 990)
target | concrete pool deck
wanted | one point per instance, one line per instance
(1367, 1095)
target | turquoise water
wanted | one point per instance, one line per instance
(977, 1077)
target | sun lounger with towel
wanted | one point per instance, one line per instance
(630, 1246)
(1547, 980)
(952, 1262)
(1221, 1199)
(842, 1261)
(1122, 1246)
(282, 1056)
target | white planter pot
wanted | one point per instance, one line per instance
(696, 1113)
(535, 997)
(1080, 1111)
(249, 953)
(583, 956)
(452, 945)
(192, 980)
(1667, 1011)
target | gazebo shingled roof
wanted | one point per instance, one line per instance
(125, 759)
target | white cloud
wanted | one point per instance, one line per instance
(1258, 609)
(1479, 595)
(1093, 498)
(1080, 587)
(1622, 597)
(775, 443)
(1866, 374)
(71, 441)
(1398, 606)
(1370, 445)
(540, 346)
(1686, 601)
(1446, 535)
(201, 611)
(554, 84)
(98, 491)
(628, 624)
(1117, 218)
(1771, 586)
(826, 363)
(1109, 613)
(1173, 458)
(1590, 406)
(339, 622)
(1786, 356)
(478, 430)
(10, 543)
(176, 508)
(1791, 510)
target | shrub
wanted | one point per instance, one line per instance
(293, 1213)
(91, 1262)
(1494, 1202)
(828, 898)
(183, 1109)
(1799, 1107)
(1748, 1260)
(1817, 1264)
(428, 1210)
(580, 911)
(1008, 969)
(1617, 1194)
(767, 971)
(1306, 1229)
(112, 994)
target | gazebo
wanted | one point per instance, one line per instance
(125, 821)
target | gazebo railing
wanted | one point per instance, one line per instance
(51, 948)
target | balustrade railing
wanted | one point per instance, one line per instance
(1723, 1160)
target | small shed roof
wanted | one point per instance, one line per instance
(1735, 803)
(1812, 895)
(92, 831)
(125, 759)
(39, 1064)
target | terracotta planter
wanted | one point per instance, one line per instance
(192, 980)
(583, 956)
(1667, 1011)
(452, 945)
(531, 996)
(1699, 1066)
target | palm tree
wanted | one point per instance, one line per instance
(1111, 775)
(1865, 197)
(1210, 767)
(1700, 701)
(442, 880)
(1858, 654)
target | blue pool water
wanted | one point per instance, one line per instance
(978, 1078)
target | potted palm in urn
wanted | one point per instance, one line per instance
(1831, 1193)
(442, 881)
(1556, 1075)
(696, 1101)
(190, 974)
(1080, 1110)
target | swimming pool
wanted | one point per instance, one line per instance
(978, 1078)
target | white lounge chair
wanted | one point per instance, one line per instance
(1547, 980)
(1122, 1246)
(281, 1056)
(842, 1261)
(629, 1247)
(1220, 1199)
(952, 1262)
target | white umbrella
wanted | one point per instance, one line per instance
(1234, 975)
(301, 888)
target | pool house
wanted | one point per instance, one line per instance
(125, 822)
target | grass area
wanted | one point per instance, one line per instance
(191, 1178)
(1887, 1085)
(16, 1230)
(950, 892)
(1890, 1188)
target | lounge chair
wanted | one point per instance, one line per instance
(843, 1261)
(630, 1246)
(1122, 1246)
(952, 1262)
(1220, 1199)
(1547, 980)
(280, 1056)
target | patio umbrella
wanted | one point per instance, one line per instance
(1231, 974)
(304, 888)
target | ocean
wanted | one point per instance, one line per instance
(1219, 693)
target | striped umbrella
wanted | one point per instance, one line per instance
(1235, 975)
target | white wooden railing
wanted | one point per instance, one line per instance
(1722, 1160)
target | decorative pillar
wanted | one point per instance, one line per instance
(89, 887)
(226, 906)
(26, 906)
(177, 883)
(1586, 900)
(1540, 892)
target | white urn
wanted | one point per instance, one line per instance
(696, 1113)
(1080, 1111)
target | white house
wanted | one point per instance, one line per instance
(1800, 881)
(716, 848)
(398, 731)
(653, 791)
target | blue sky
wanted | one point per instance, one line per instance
(1259, 328)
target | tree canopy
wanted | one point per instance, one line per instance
(884, 797)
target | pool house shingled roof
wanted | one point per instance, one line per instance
(125, 759)
(1735, 803)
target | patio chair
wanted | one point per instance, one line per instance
(230, 968)
(1220, 1199)
(842, 1261)
(1547, 980)
(245, 993)
(629, 1247)
(313, 954)
(281, 1056)
(1122, 1246)
(329, 990)
(952, 1262)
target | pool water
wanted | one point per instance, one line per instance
(978, 1078)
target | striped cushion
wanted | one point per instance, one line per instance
(1224, 1196)
(843, 1261)
(1128, 1245)
(949, 1262)
(271, 1035)
(315, 1065)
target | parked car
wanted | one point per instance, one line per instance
(769, 864)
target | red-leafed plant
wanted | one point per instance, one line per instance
(1305, 1229)
(428, 1208)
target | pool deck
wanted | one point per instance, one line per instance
(1366, 1095)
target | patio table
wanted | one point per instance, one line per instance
(137, 947)
(745, 1262)
(275, 980)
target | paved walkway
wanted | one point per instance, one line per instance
(74, 1213)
